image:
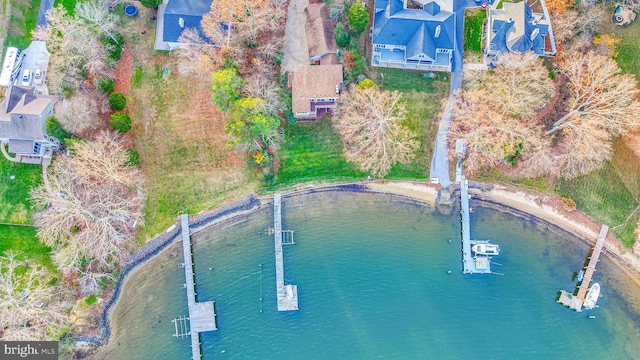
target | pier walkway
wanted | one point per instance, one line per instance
(202, 316)
(575, 301)
(287, 294)
(480, 264)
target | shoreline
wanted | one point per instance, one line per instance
(542, 207)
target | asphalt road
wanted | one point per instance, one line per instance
(45, 5)
(440, 162)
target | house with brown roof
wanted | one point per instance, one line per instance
(23, 116)
(315, 90)
(320, 39)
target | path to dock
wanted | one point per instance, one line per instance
(575, 302)
(480, 264)
(202, 316)
(287, 294)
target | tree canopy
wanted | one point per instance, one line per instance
(151, 3)
(249, 127)
(225, 88)
(369, 122)
(358, 16)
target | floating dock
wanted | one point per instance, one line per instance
(574, 302)
(202, 315)
(287, 294)
(479, 264)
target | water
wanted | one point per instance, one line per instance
(373, 281)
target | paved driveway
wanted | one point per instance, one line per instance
(296, 50)
(45, 6)
(440, 162)
(36, 57)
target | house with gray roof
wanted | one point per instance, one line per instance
(174, 17)
(413, 34)
(516, 28)
(23, 116)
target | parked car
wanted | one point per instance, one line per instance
(26, 77)
(38, 76)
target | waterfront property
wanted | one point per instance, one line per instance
(576, 302)
(413, 35)
(516, 28)
(202, 315)
(23, 116)
(315, 90)
(287, 294)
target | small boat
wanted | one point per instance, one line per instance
(592, 297)
(580, 276)
(486, 249)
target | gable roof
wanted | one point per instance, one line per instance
(314, 81)
(20, 113)
(421, 31)
(319, 29)
(516, 28)
(191, 13)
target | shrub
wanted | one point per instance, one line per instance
(120, 122)
(55, 129)
(341, 35)
(112, 48)
(134, 157)
(151, 3)
(117, 101)
(105, 85)
(367, 84)
(358, 16)
(91, 299)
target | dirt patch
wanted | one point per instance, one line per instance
(124, 70)
(296, 50)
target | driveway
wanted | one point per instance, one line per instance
(36, 57)
(45, 6)
(296, 50)
(440, 162)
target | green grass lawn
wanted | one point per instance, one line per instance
(69, 5)
(603, 195)
(629, 48)
(423, 98)
(23, 241)
(473, 19)
(313, 152)
(14, 194)
(24, 15)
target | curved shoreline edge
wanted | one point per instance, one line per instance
(511, 200)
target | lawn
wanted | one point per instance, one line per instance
(473, 19)
(629, 48)
(24, 15)
(23, 241)
(14, 193)
(313, 152)
(423, 98)
(69, 5)
(603, 195)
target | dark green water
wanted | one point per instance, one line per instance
(373, 281)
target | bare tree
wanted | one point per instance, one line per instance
(96, 13)
(199, 55)
(75, 50)
(91, 204)
(79, 114)
(261, 85)
(519, 85)
(368, 120)
(599, 96)
(492, 135)
(30, 307)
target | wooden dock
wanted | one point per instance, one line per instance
(202, 315)
(575, 301)
(287, 294)
(479, 264)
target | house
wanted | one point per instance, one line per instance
(175, 16)
(320, 38)
(517, 28)
(315, 90)
(413, 35)
(23, 116)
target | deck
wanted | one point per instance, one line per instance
(202, 315)
(575, 301)
(287, 294)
